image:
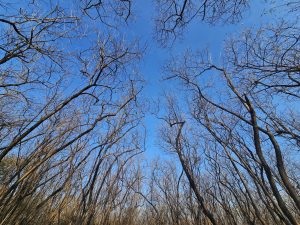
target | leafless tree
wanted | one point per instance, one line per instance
(70, 120)
(242, 118)
(69, 117)
(174, 15)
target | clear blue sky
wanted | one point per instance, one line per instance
(197, 36)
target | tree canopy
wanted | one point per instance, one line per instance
(76, 110)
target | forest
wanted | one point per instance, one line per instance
(77, 112)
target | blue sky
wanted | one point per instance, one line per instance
(198, 35)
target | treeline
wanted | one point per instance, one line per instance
(72, 107)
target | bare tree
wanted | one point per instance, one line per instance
(244, 114)
(71, 116)
(65, 115)
(174, 15)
